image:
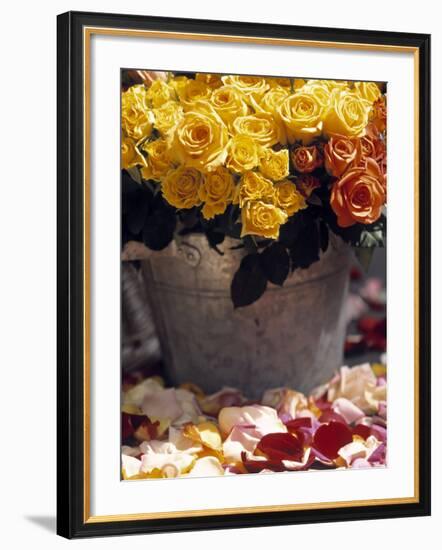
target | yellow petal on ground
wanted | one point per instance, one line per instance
(379, 369)
(206, 433)
(129, 408)
(163, 425)
(207, 466)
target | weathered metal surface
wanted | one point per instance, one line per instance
(139, 341)
(292, 336)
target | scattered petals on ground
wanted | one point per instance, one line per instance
(181, 432)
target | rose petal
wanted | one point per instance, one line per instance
(140, 427)
(282, 446)
(353, 450)
(189, 406)
(136, 395)
(183, 443)
(360, 463)
(296, 423)
(329, 438)
(353, 384)
(165, 457)
(362, 431)
(240, 439)
(331, 415)
(130, 466)
(205, 433)
(162, 404)
(130, 451)
(378, 456)
(226, 397)
(348, 410)
(264, 418)
(287, 402)
(206, 466)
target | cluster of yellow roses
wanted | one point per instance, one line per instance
(214, 140)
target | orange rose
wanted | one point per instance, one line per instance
(307, 184)
(306, 159)
(372, 145)
(341, 152)
(359, 195)
(378, 114)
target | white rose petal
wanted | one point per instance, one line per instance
(131, 466)
(206, 466)
(164, 456)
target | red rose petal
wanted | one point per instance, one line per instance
(331, 416)
(255, 466)
(329, 438)
(282, 446)
(296, 423)
(362, 431)
(138, 426)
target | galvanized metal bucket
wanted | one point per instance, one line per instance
(292, 336)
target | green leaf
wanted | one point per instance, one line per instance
(215, 238)
(249, 282)
(159, 227)
(134, 173)
(305, 249)
(275, 263)
(364, 256)
(138, 209)
(323, 236)
(128, 185)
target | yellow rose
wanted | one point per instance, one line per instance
(180, 187)
(253, 186)
(178, 82)
(130, 154)
(367, 90)
(242, 154)
(264, 220)
(262, 127)
(216, 191)
(212, 80)
(167, 117)
(158, 160)
(320, 90)
(136, 117)
(330, 84)
(301, 114)
(159, 93)
(347, 114)
(192, 91)
(289, 198)
(279, 82)
(274, 164)
(229, 103)
(200, 139)
(270, 101)
(255, 86)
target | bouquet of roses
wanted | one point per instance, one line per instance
(277, 163)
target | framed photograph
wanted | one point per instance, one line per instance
(241, 340)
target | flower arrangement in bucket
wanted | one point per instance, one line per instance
(250, 192)
(277, 164)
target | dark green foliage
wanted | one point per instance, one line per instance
(249, 282)
(275, 263)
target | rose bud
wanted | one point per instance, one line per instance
(306, 159)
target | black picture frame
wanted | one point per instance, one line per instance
(71, 520)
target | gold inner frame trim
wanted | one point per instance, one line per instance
(87, 33)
